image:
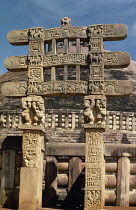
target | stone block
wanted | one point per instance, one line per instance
(29, 189)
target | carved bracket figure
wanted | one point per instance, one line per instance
(33, 114)
(95, 111)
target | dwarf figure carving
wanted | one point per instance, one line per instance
(33, 112)
(26, 105)
(88, 111)
(39, 113)
(101, 111)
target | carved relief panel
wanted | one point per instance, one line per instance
(95, 111)
(94, 187)
(35, 60)
(96, 43)
(36, 47)
(33, 114)
(35, 73)
(36, 33)
(96, 72)
(32, 143)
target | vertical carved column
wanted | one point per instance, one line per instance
(94, 188)
(33, 125)
(94, 117)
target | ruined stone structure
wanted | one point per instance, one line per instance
(53, 54)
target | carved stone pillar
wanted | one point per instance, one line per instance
(33, 125)
(33, 119)
(94, 117)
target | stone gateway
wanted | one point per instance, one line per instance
(88, 53)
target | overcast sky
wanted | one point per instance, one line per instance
(24, 14)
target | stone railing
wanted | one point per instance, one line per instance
(71, 119)
(10, 119)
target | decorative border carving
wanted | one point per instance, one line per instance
(110, 59)
(111, 87)
(71, 87)
(65, 87)
(61, 59)
(65, 32)
(94, 169)
(108, 32)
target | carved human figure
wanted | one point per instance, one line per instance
(30, 158)
(26, 105)
(93, 197)
(101, 111)
(90, 198)
(38, 113)
(88, 111)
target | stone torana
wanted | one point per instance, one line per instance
(50, 49)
